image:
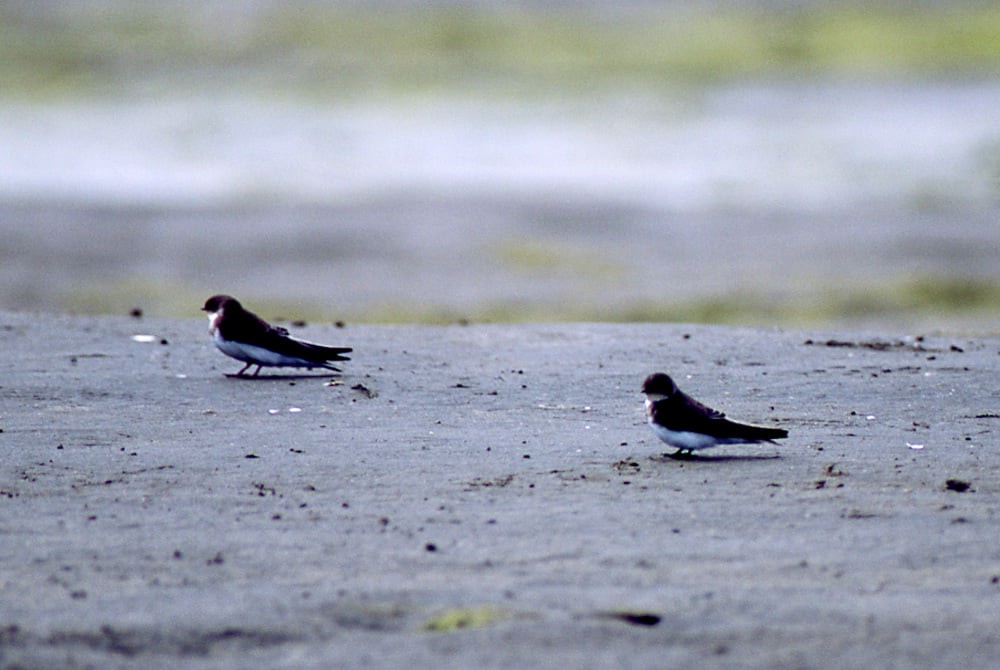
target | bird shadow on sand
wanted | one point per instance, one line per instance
(723, 458)
(278, 378)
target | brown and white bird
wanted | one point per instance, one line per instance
(683, 422)
(241, 334)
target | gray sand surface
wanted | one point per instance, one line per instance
(496, 482)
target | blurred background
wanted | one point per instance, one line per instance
(794, 163)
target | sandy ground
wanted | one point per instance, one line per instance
(488, 496)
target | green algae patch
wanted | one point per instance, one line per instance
(462, 618)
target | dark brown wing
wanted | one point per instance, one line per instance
(277, 341)
(249, 328)
(681, 412)
(240, 325)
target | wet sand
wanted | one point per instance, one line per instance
(488, 496)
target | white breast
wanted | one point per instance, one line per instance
(249, 353)
(213, 321)
(683, 439)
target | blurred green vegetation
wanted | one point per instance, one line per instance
(940, 299)
(315, 49)
(554, 259)
(950, 303)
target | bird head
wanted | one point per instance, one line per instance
(658, 385)
(218, 302)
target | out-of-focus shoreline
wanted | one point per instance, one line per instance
(817, 166)
(408, 262)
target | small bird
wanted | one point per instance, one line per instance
(243, 335)
(683, 422)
